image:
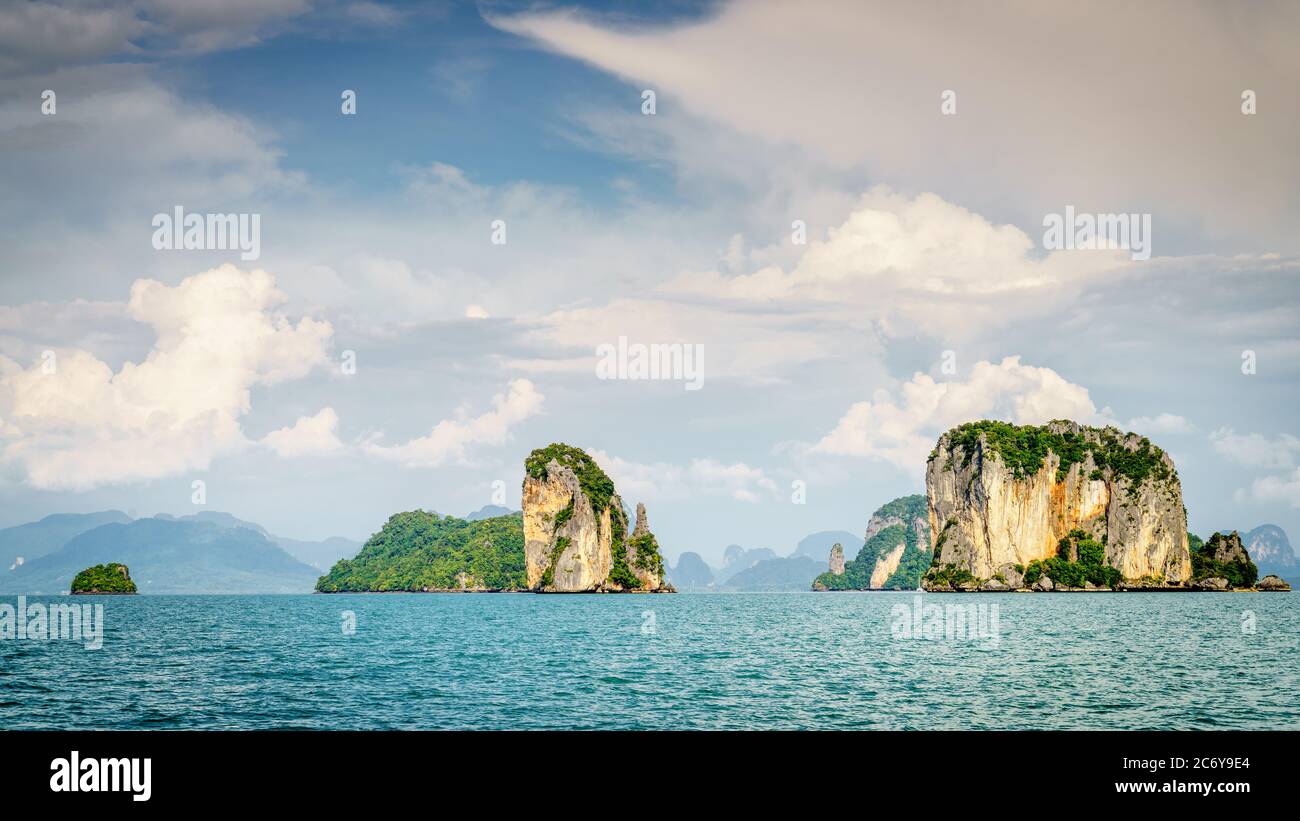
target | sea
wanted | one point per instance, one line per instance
(706, 661)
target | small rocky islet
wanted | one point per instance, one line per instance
(111, 579)
(1061, 507)
(572, 536)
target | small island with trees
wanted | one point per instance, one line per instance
(104, 579)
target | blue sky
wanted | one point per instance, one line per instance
(823, 361)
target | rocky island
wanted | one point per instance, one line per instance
(895, 554)
(104, 580)
(576, 537)
(571, 537)
(1066, 507)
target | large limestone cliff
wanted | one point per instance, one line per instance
(575, 529)
(1001, 495)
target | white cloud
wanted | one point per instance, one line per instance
(917, 263)
(1256, 450)
(1264, 453)
(217, 336)
(1284, 488)
(753, 346)
(210, 25)
(55, 33)
(663, 480)
(903, 430)
(34, 36)
(450, 438)
(309, 435)
(1161, 423)
(792, 75)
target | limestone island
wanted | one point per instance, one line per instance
(110, 579)
(571, 537)
(1061, 507)
(895, 554)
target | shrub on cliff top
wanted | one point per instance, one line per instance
(595, 484)
(1024, 448)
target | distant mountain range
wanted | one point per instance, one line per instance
(24, 543)
(488, 512)
(206, 552)
(760, 568)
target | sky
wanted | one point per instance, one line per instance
(841, 206)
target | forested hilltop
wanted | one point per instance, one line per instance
(421, 551)
(104, 578)
(895, 553)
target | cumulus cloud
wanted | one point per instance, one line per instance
(902, 429)
(1263, 453)
(450, 439)
(309, 435)
(1284, 488)
(79, 424)
(918, 262)
(1161, 423)
(663, 480)
(1256, 450)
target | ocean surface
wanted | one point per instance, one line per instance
(686, 661)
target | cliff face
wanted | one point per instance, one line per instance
(1001, 495)
(575, 530)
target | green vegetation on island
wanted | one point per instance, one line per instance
(911, 565)
(648, 556)
(422, 551)
(635, 560)
(595, 483)
(104, 578)
(1079, 561)
(1222, 557)
(1024, 448)
(949, 575)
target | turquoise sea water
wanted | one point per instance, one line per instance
(704, 661)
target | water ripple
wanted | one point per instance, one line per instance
(720, 661)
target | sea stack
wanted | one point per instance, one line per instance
(1002, 496)
(837, 559)
(576, 537)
